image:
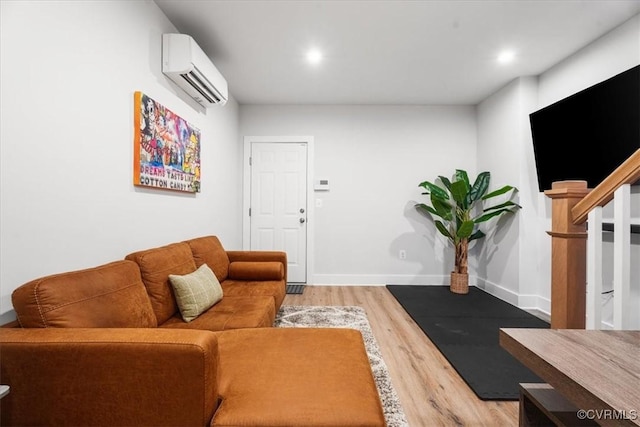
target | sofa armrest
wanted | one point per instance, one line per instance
(260, 256)
(99, 376)
(256, 270)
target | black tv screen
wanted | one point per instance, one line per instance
(586, 136)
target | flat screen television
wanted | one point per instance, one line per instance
(586, 136)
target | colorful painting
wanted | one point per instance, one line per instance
(166, 148)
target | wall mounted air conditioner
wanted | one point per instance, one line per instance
(184, 62)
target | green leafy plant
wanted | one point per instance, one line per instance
(457, 208)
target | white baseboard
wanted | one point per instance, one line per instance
(544, 305)
(499, 291)
(524, 301)
(377, 280)
(344, 284)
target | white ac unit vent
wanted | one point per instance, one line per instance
(184, 62)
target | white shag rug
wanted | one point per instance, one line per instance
(309, 316)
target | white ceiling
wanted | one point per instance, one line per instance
(387, 52)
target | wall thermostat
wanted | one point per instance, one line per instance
(321, 185)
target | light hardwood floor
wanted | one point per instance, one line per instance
(430, 390)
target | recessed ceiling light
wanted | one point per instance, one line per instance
(506, 56)
(314, 56)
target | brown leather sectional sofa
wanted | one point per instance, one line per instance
(108, 346)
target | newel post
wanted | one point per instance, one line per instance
(568, 256)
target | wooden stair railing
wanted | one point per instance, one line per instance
(571, 204)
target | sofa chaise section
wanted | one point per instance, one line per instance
(275, 377)
(302, 377)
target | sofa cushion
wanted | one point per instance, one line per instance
(107, 296)
(296, 377)
(208, 250)
(231, 313)
(256, 270)
(155, 266)
(196, 292)
(240, 288)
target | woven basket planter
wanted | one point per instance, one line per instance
(459, 283)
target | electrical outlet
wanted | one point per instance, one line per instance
(402, 254)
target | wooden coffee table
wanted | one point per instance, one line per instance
(597, 371)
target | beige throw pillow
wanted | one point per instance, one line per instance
(196, 292)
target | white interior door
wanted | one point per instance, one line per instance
(278, 215)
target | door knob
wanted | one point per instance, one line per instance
(301, 210)
(301, 220)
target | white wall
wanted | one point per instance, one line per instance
(375, 157)
(504, 144)
(69, 72)
(504, 116)
(609, 55)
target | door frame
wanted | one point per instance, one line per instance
(246, 193)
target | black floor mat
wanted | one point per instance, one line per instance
(465, 328)
(295, 289)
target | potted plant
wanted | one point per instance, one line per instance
(457, 208)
